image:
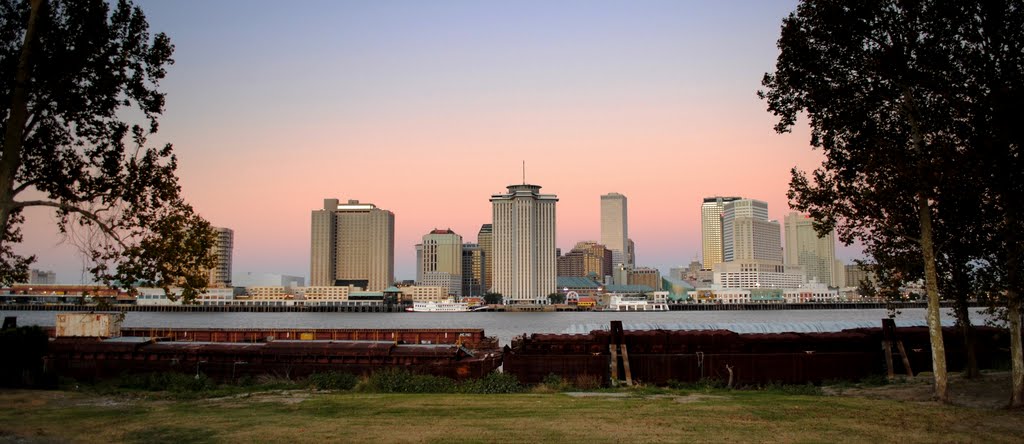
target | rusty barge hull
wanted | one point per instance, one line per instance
(662, 356)
(472, 338)
(96, 359)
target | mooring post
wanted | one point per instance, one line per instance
(616, 341)
(888, 332)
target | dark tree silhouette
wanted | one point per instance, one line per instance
(78, 91)
(908, 100)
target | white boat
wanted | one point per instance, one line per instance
(635, 303)
(448, 306)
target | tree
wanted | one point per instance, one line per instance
(491, 298)
(556, 298)
(864, 75)
(988, 47)
(916, 105)
(73, 74)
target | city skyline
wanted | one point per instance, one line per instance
(662, 81)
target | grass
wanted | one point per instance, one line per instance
(771, 414)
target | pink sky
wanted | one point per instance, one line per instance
(655, 102)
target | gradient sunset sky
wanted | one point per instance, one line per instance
(426, 108)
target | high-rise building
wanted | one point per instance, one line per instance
(747, 234)
(524, 244)
(220, 274)
(473, 268)
(485, 238)
(440, 252)
(711, 229)
(615, 227)
(816, 254)
(40, 277)
(586, 259)
(352, 243)
(739, 212)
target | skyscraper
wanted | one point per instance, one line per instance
(524, 244)
(220, 274)
(352, 243)
(711, 229)
(473, 269)
(816, 254)
(485, 238)
(747, 233)
(615, 227)
(440, 253)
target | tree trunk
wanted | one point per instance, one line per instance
(1016, 352)
(11, 160)
(963, 314)
(932, 289)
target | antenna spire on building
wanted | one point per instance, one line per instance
(524, 172)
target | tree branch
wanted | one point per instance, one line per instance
(91, 216)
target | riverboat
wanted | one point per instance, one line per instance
(448, 306)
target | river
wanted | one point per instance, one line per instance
(505, 326)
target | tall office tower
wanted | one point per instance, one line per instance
(816, 254)
(220, 274)
(352, 243)
(615, 227)
(755, 239)
(485, 237)
(441, 253)
(586, 259)
(524, 244)
(734, 211)
(473, 268)
(711, 229)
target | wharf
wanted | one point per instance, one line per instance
(395, 308)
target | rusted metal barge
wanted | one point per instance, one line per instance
(661, 356)
(94, 346)
(97, 358)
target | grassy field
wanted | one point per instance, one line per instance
(637, 416)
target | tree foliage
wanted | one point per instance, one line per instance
(491, 298)
(912, 105)
(79, 97)
(556, 298)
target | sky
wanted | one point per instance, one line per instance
(426, 109)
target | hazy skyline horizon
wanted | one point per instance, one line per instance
(427, 109)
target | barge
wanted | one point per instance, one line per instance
(93, 346)
(664, 356)
(98, 358)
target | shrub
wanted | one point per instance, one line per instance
(555, 382)
(495, 382)
(402, 381)
(166, 381)
(332, 381)
(587, 382)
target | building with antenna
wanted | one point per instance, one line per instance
(525, 266)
